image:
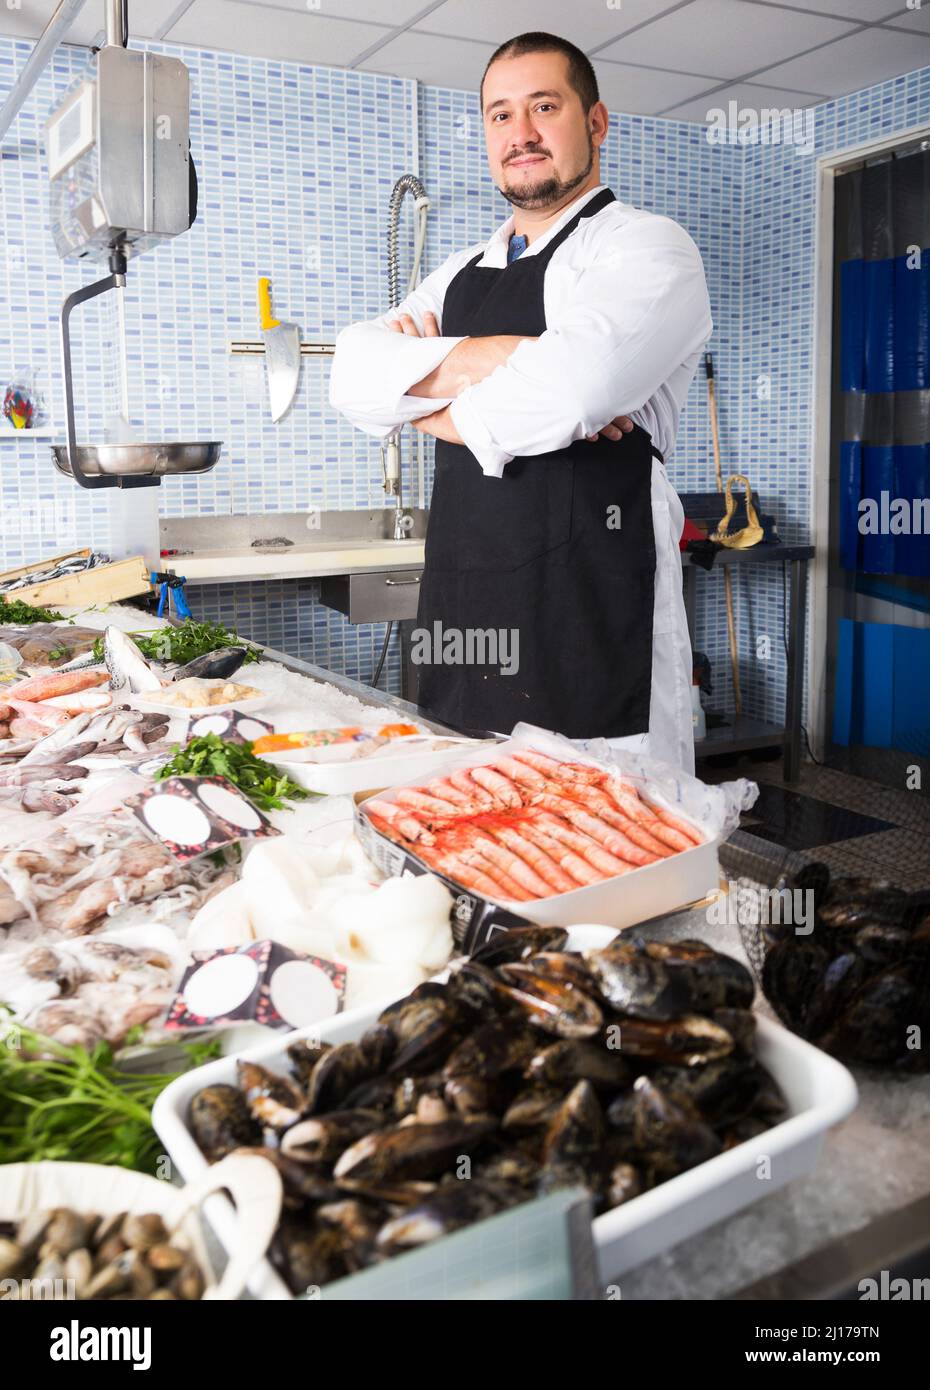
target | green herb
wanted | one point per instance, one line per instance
(18, 614)
(212, 756)
(59, 1102)
(184, 642)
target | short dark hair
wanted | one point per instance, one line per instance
(580, 72)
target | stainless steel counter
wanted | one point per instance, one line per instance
(290, 545)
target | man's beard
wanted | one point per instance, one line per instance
(552, 190)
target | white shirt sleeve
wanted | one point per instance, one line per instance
(373, 367)
(627, 322)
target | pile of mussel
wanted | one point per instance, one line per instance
(530, 1068)
(849, 969)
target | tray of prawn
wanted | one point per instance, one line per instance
(535, 831)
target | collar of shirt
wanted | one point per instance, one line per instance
(495, 253)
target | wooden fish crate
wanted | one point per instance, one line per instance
(102, 584)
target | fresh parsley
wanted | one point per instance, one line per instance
(211, 756)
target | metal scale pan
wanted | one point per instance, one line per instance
(118, 465)
(144, 461)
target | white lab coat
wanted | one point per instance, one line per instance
(627, 316)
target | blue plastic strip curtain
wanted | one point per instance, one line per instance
(882, 680)
(885, 348)
(881, 498)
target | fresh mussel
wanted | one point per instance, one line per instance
(408, 1151)
(324, 1137)
(552, 1004)
(490, 1051)
(707, 979)
(517, 943)
(578, 1059)
(635, 983)
(577, 1128)
(335, 1074)
(791, 975)
(689, 1040)
(221, 1121)
(274, 1101)
(669, 1131)
(449, 1208)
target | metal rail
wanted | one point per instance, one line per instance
(53, 34)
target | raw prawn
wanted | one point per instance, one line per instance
(550, 767)
(420, 801)
(588, 849)
(453, 866)
(636, 831)
(628, 801)
(522, 773)
(581, 870)
(509, 862)
(446, 791)
(399, 821)
(498, 786)
(536, 857)
(605, 835)
(461, 779)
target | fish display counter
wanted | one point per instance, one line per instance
(254, 911)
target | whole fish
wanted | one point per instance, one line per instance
(48, 718)
(40, 798)
(48, 748)
(78, 702)
(127, 667)
(213, 665)
(57, 683)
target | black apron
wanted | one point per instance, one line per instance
(559, 551)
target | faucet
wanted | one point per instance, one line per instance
(390, 449)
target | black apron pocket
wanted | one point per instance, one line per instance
(479, 524)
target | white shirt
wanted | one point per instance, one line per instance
(627, 315)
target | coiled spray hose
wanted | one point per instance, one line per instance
(390, 449)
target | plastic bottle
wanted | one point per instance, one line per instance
(698, 719)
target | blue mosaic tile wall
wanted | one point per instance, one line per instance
(296, 167)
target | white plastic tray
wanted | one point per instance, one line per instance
(365, 774)
(634, 897)
(245, 706)
(819, 1091)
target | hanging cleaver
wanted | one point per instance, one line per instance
(282, 353)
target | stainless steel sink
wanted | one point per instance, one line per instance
(325, 530)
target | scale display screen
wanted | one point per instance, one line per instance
(71, 131)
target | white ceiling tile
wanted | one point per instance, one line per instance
(440, 61)
(29, 20)
(233, 26)
(747, 95)
(586, 25)
(911, 19)
(643, 91)
(388, 12)
(862, 60)
(724, 37)
(860, 11)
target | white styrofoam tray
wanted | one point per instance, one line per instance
(819, 1090)
(686, 877)
(365, 774)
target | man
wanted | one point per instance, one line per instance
(551, 366)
